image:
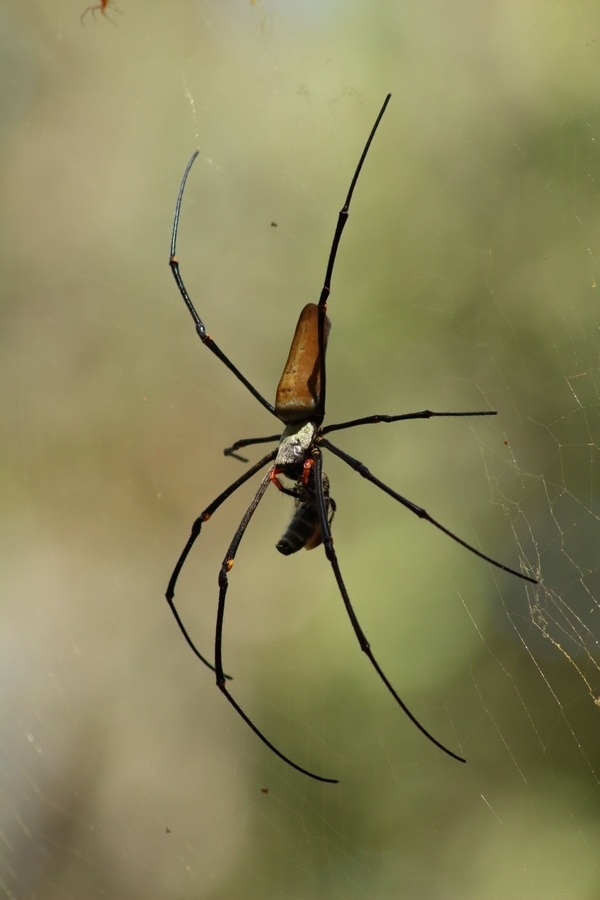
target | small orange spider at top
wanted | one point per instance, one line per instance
(103, 5)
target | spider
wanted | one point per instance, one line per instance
(298, 457)
(102, 8)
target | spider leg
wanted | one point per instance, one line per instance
(200, 327)
(362, 640)
(424, 414)
(326, 289)
(418, 510)
(196, 528)
(248, 442)
(223, 585)
(101, 8)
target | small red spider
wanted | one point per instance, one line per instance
(102, 6)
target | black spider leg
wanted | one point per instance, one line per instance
(248, 442)
(367, 420)
(418, 510)
(362, 640)
(196, 529)
(200, 328)
(423, 414)
(326, 289)
(223, 585)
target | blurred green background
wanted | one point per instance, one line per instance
(466, 280)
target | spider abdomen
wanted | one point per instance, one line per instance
(299, 387)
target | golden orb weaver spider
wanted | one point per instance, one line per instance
(300, 408)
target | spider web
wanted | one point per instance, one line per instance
(466, 279)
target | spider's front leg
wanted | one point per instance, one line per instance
(362, 640)
(223, 587)
(360, 467)
(196, 529)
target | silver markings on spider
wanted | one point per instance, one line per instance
(300, 409)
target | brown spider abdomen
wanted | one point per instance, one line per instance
(298, 390)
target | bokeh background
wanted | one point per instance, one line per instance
(467, 279)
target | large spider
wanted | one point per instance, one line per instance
(300, 407)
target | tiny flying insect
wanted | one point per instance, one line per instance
(300, 408)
